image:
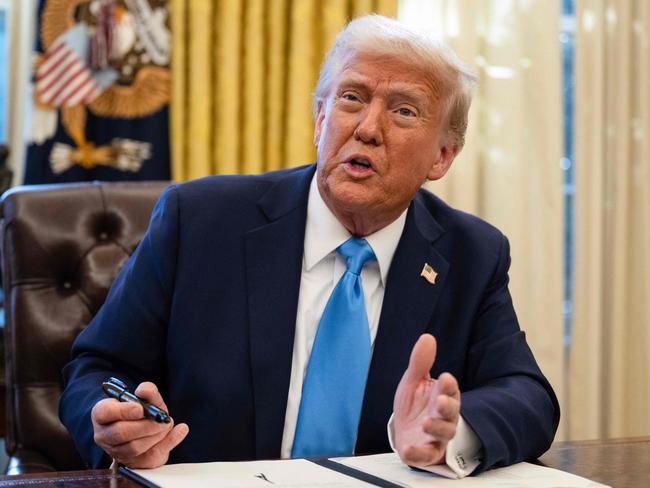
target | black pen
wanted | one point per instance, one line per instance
(117, 389)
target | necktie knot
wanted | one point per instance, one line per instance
(357, 252)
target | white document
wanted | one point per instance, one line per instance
(292, 473)
(391, 468)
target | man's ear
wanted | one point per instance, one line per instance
(446, 155)
(318, 126)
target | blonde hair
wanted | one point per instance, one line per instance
(381, 36)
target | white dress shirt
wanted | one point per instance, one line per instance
(322, 267)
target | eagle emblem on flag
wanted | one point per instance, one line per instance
(109, 58)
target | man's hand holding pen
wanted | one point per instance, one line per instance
(122, 430)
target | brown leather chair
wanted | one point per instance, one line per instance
(62, 246)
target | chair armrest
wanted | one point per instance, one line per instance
(26, 461)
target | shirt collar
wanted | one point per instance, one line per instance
(324, 233)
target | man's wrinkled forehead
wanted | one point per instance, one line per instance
(417, 82)
(417, 93)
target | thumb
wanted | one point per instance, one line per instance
(422, 357)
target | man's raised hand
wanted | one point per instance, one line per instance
(426, 410)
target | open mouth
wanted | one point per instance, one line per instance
(360, 163)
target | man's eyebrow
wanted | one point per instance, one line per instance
(353, 81)
(411, 93)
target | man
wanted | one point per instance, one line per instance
(276, 314)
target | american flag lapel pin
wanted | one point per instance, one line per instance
(429, 274)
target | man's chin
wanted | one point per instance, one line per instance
(349, 196)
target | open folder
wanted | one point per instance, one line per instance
(385, 470)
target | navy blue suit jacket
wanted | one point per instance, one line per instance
(206, 309)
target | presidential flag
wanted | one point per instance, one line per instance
(101, 92)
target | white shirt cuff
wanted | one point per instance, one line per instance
(463, 455)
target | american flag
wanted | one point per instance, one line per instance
(63, 79)
(429, 274)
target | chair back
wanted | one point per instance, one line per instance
(62, 246)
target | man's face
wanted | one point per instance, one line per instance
(379, 138)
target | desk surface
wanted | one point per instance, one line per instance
(621, 463)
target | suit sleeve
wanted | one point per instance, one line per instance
(127, 337)
(507, 401)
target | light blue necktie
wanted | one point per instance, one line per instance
(332, 394)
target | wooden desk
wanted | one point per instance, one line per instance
(98, 478)
(621, 463)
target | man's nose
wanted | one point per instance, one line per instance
(370, 129)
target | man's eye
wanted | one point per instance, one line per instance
(407, 112)
(350, 96)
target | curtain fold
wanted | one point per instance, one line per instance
(22, 31)
(509, 171)
(610, 360)
(243, 72)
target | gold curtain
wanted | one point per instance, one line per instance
(509, 170)
(243, 72)
(610, 360)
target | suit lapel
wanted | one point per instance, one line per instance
(274, 254)
(409, 303)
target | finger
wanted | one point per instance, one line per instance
(448, 385)
(447, 408)
(110, 410)
(174, 438)
(148, 391)
(440, 429)
(118, 433)
(158, 454)
(136, 447)
(423, 456)
(422, 357)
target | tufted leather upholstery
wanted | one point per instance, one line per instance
(62, 246)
